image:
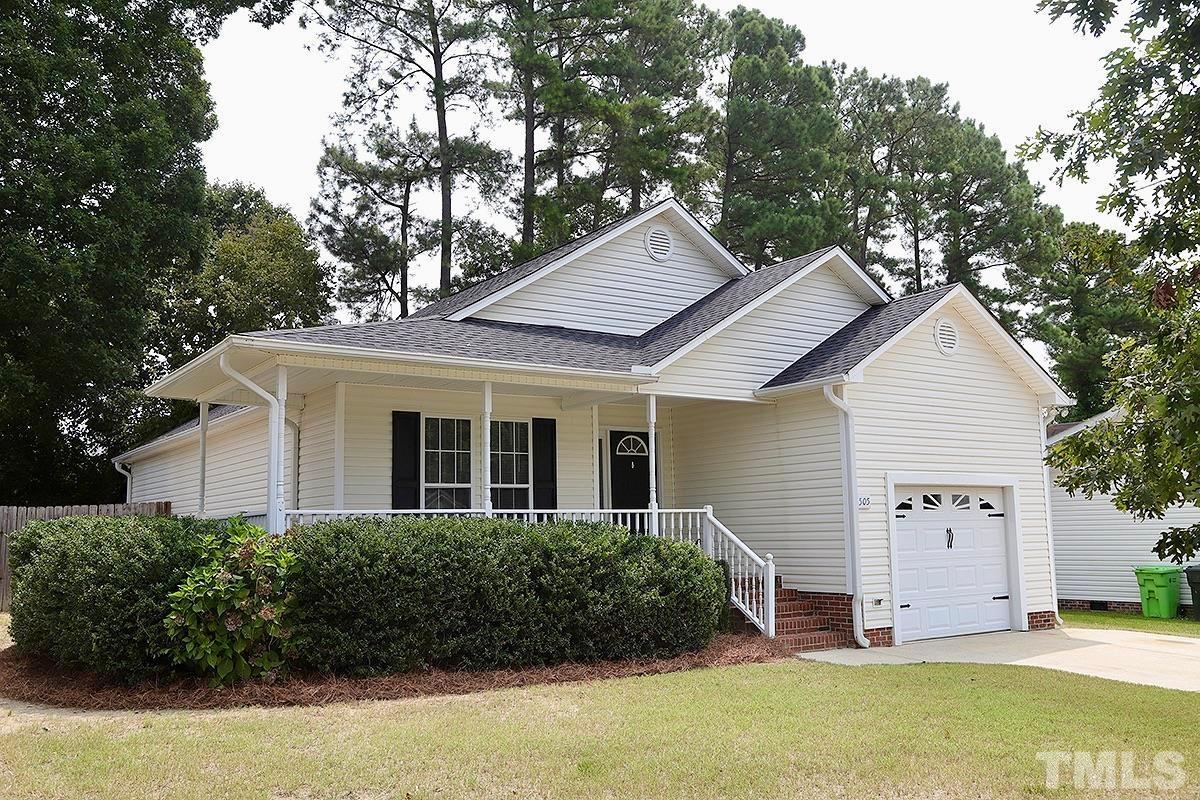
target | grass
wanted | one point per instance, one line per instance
(1130, 622)
(781, 730)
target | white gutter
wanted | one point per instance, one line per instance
(851, 513)
(426, 359)
(273, 437)
(124, 470)
(799, 386)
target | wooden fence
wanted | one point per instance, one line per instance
(13, 518)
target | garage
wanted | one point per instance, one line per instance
(951, 570)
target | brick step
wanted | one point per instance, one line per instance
(800, 625)
(786, 595)
(795, 607)
(819, 640)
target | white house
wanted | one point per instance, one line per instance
(881, 459)
(1096, 546)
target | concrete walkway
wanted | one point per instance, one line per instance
(1172, 662)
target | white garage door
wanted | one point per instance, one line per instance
(952, 563)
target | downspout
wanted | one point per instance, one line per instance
(128, 473)
(273, 461)
(1049, 519)
(850, 486)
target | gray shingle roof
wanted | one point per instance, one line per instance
(544, 344)
(462, 299)
(1058, 427)
(477, 338)
(862, 336)
(214, 413)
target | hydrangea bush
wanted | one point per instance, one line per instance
(233, 616)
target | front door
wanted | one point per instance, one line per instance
(629, 460)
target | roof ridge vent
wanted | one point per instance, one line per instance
(660, 242)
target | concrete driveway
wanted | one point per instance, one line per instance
(1172, 662)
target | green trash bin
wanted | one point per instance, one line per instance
(1160, 590)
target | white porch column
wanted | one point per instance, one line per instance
(203, 458)
(278, 499)
(651, 421)
(486, 439)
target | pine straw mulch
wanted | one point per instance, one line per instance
(32, 680)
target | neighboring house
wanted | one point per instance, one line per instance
(1096, 546)
(880, 458)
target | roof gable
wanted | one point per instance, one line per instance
(617, 286)
(844, 357)
(709, 316)
(474, 298)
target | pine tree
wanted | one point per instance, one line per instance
(774, 151)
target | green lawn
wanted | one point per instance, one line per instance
(1130, 622)
(782, 730)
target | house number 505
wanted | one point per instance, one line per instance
(864, 502)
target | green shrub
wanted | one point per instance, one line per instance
(232, 617)
(92, 592)
(382, 596)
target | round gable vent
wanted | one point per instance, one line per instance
(945, 335)
(660, 244)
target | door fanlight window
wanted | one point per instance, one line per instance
(632, 446)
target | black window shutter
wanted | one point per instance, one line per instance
(545, 463)
(406, 459)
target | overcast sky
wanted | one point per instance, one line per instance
(1007, 66)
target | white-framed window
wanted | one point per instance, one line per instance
(511, 467)
(632, 445)
(447, 463)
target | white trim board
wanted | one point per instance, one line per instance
(1010, 486)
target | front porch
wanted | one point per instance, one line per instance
(343, 443)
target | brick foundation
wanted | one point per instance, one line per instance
(1121, 606)
(1041, 620)
(879, 637)
(837, 609)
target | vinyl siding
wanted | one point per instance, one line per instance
(773, 475)
(757, 347)
(1096, 547)
(237, 469)
(968, 413)
(316, 449)
(369, 441)
(616, 288)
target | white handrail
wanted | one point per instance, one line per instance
(752, 578)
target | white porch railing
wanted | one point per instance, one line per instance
(752, 577)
